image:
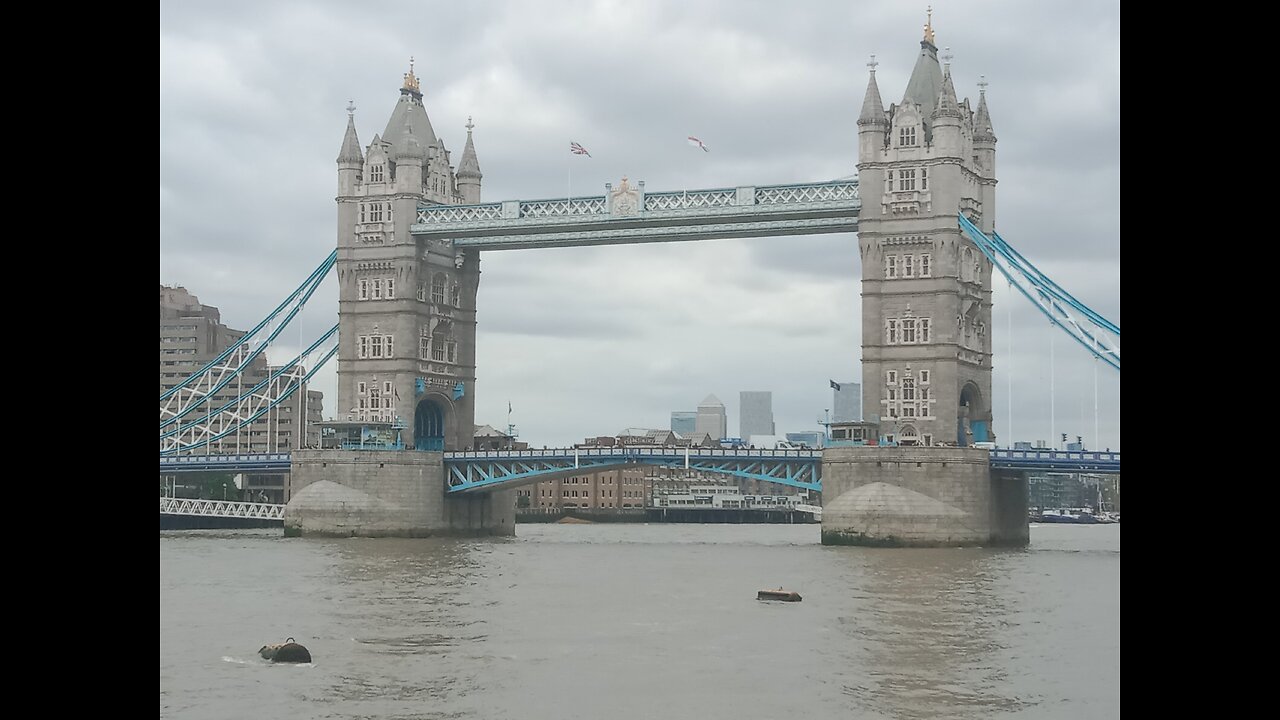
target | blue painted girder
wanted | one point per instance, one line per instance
(471, 472)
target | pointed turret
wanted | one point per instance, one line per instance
(982, 128)
(945, 131)
(873, 124)
(350, 159)
(469, 174)
(350, 152)
(926, 77)
(947, 105)
(984, 143)
(872, 106)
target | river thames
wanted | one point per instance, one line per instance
(639, 621)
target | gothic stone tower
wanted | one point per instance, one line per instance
(407, 328)
(407, 309)
(926, 289)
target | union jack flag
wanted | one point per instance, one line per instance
(698, 143)
(577, 149)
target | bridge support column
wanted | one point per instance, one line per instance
(919, 497)
(352, 493)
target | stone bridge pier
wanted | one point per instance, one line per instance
(362, 493)
(920, 497)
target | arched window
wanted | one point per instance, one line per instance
(908, 436)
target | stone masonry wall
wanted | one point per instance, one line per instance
(391, 494)
(906, 496)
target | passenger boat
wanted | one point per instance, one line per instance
(779, 594)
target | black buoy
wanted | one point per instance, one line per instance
(286, 652)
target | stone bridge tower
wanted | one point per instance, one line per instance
(926, 289)
(407, 308)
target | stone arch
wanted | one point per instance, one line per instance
(971, 417)
(907, 435)
(429, 424)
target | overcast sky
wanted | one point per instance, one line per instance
(588, 341)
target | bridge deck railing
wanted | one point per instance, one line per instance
(679, 202)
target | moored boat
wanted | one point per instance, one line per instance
(779, 594)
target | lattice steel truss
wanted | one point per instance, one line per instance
(221, 509)
(1099, 336)
(241, 412)
(499, 469)
(195, 392)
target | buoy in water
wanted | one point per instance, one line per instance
(285, 652)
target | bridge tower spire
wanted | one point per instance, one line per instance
(926, 289)
(469, 174)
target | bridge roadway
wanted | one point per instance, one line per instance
(473, 471)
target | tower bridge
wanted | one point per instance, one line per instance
(410, 232)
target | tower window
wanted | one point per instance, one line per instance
(373, 347)
(890, 266)
(907, 136)
(908, 265)
(908, 331)
(924, 178)
(906, 179)
(925, 270)
(377, 173)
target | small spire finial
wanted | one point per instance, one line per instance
(946, 58)
(982, 85)
(928, 27)
(411, 80)
(872, 63)
(469, 125)
(351, 108)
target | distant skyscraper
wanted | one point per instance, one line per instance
(846, 402)
(684, 422)
(711, 418)
(755, 414)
